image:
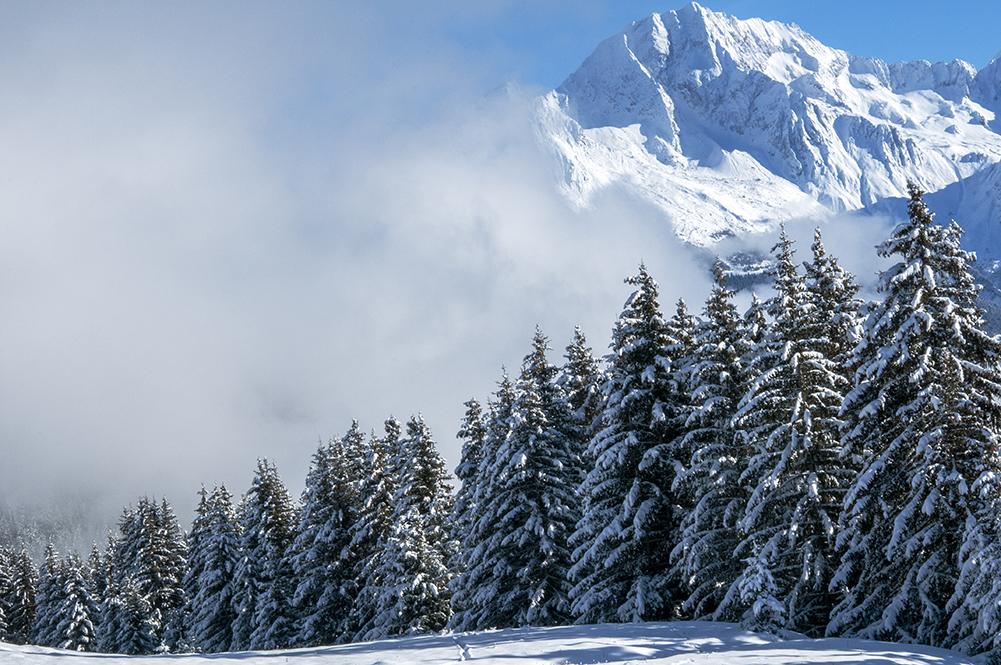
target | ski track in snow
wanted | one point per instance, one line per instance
(651, 644)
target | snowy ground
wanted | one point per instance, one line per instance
(651, 644)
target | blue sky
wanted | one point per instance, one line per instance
(543, 44)
(229, 228)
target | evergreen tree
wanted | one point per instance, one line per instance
(624, 540)
(528, 510)
(196, 559)
(262, 577)
(97, 573)
(51, 583)
(6, 587)
(710, 483)
(413, 575)
(757, 590)
(145, 574)
(213, 554)
(473, 434)
(78, 611)
(922, 417)
(21, 599)
(472, 547)
(833, 292)
(128, 625)
(681, 345)
(324, 561)
(368, 534)
(580, 382)
(790, 416)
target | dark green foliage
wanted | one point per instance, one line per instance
(323, 559)
(21, 599)
(78, 611)
(710, 485)
(923, 419)
(413, 577)
(623, 542)
(790, 419)
(213, 550)
(262, 579)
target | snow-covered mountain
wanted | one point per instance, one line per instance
(649, 643)
(732, 126)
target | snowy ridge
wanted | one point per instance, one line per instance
(731, 126)
(652, 643)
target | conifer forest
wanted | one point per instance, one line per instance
(816, 464)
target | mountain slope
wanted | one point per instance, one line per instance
(731, 126)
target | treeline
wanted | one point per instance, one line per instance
(816, 464)
(363, 556)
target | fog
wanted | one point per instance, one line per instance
(225, 235)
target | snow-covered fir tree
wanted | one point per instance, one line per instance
(923, 419)
(527, 510)
(49, 600)
(790, 417)
(368, 534)
(127, 621)
(681, 345)
(213, 556)
(709, 486)
(580, 381)
(97, 573)
(262, 591)
(624, 539)
(757, 589)
(6, 586)
(21, 599)
(78, 612)
(323, 558)
(833, 294)
(469, 577)
(146, 573)
(196, 560)
(413, 573)
(472, 433)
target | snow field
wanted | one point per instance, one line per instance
(650, 643)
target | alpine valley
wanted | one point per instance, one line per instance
(731, 127)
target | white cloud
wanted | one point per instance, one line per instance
(226, 231)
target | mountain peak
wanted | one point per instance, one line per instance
(702, 112)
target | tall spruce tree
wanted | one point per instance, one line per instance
(21, 599)
(368, 535)
(127, 621)
(146, 573)
(834, 297)
(790, 415)
(49, 600)
(324, 560)
(261, 580)
(580, 381)
(78, 611)
(623, 542)
(213, 558)
(528, 510)
(923, 418)
(6, 587)
(710, 483)
(196, 559)
(472, 433)
(413, 573)
(474, 580)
